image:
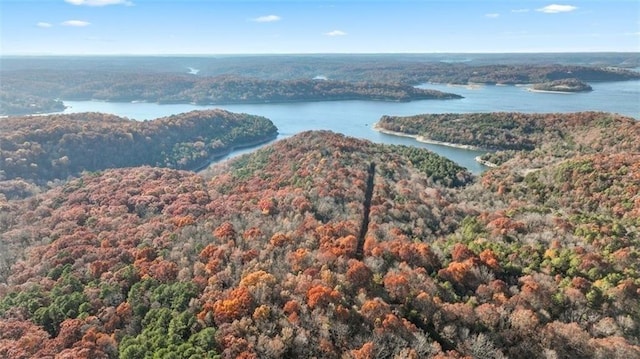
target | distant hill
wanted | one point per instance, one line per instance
(40, 90)
(321, 245)
(39, 84)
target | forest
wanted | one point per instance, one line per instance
(321, 245)
(40, 84)
(183, 88)
(347, 67)
(37, 150)
(564, 85)
(511, 130)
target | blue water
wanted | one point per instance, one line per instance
(356, 118)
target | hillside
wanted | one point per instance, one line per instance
(322, 245)
(40, 149)
(566, 134)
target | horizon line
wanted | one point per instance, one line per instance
(317, 53)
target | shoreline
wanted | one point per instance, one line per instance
(554, 91)
(216, 157)
(440, 95)
(468, 86)
(422, 139)
(411, 98)
(485, 163)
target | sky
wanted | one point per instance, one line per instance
(145, 27)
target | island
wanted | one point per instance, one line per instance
(41, 149)
(564, 85)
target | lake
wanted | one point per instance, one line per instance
(356, 118)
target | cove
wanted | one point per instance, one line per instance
(356, 118)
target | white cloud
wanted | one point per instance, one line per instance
(267, 18)
(335, 33)
(99, 2)
(76, 23)
(43, 25)
(555, 8)
(492, 16)
(520, 10)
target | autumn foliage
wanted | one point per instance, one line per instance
(138, 261)
(38, 149)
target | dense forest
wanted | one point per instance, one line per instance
(321, 245)
(38, 149)
(569, 133)
(19, 87)
(344, 67)
(38, 84)
(16, 103)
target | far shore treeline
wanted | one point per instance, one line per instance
(41, 84)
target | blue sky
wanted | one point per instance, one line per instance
(306, 26)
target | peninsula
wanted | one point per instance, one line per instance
(45, 90)
(40, 149)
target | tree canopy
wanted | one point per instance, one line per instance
(321, 245)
